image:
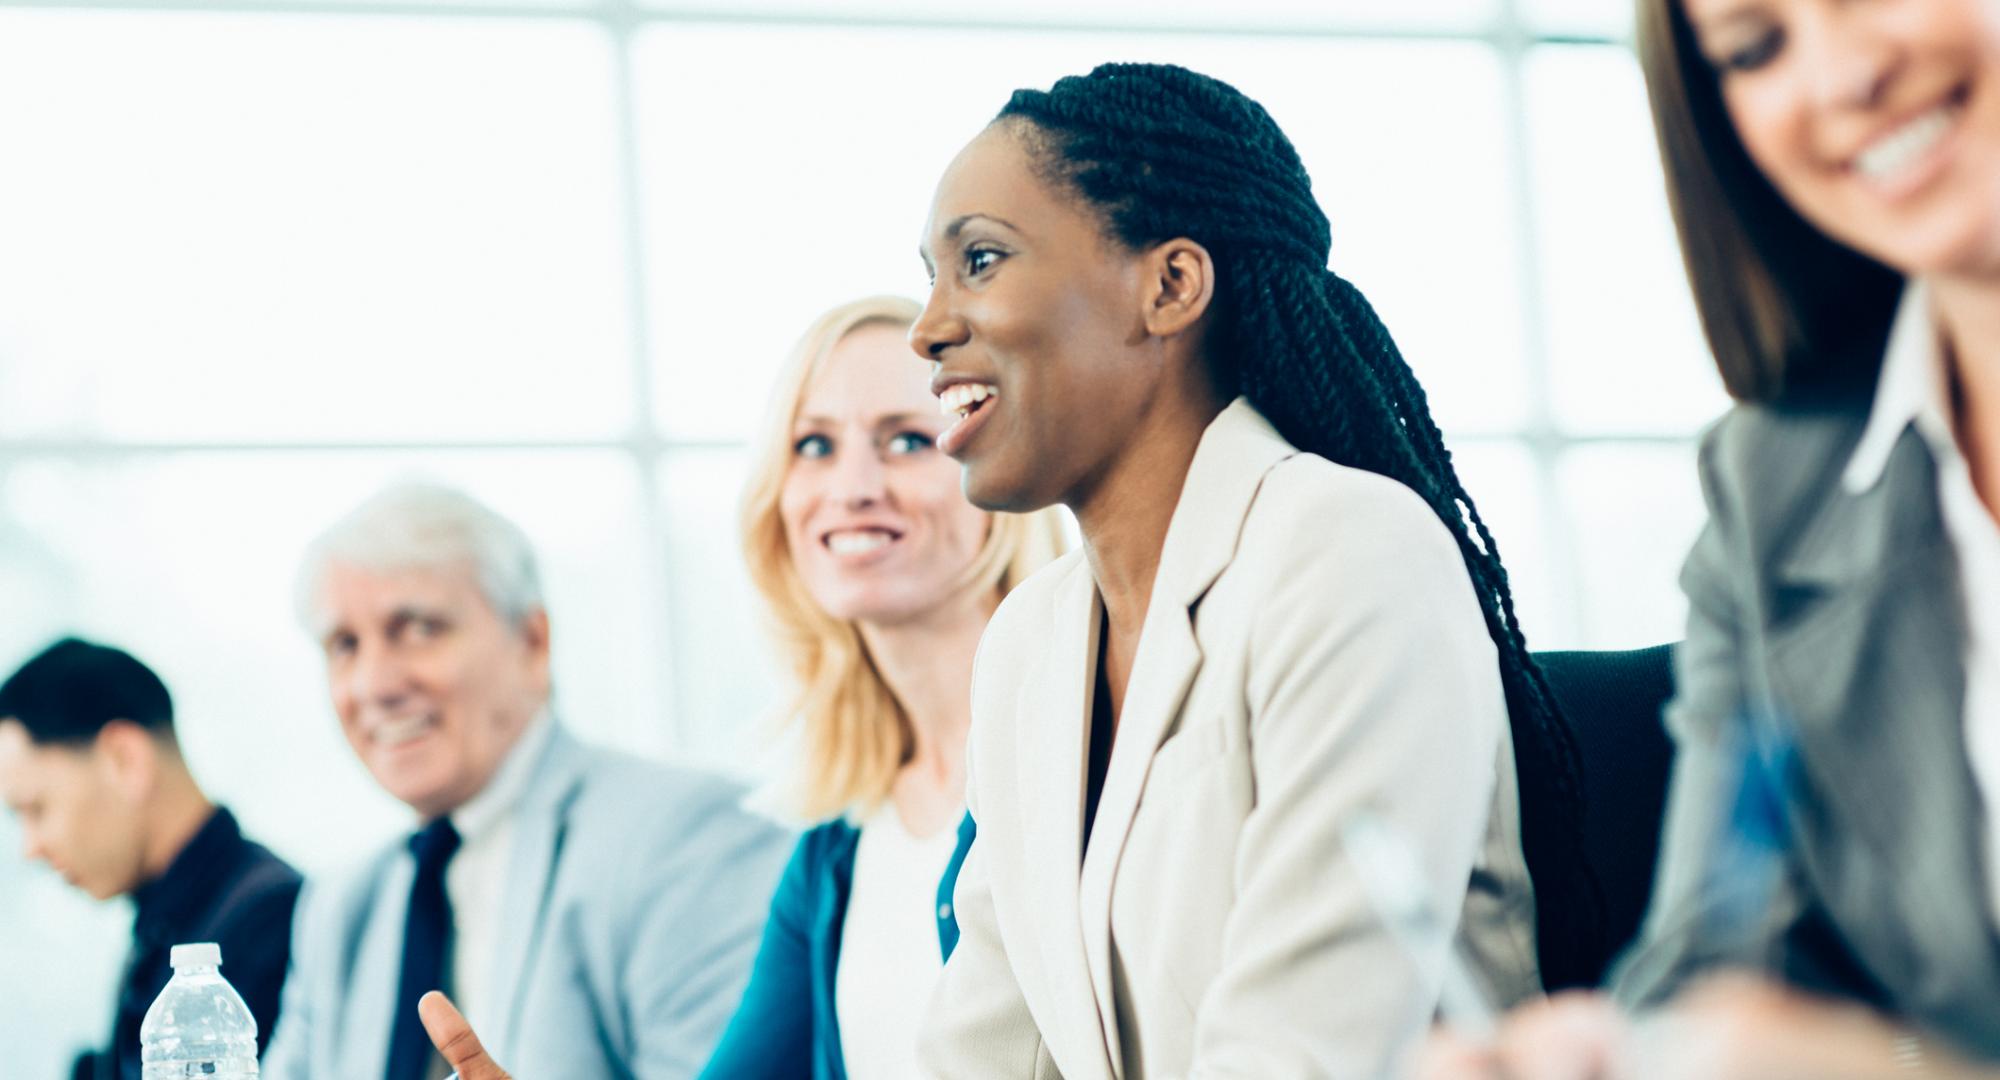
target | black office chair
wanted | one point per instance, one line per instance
(1614, 700)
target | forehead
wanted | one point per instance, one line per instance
(357, 594)
(995, 176)
(26, 766)
(1703, 11)
(870, 373)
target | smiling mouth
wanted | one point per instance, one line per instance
(1898, 154)
(400, 732)
(964, 399)
(857, 542)
(967, 405)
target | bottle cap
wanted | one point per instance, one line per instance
(203, 954)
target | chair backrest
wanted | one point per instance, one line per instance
(1614, 701)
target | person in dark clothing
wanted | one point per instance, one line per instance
(91, 768)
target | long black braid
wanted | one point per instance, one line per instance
(1162, 152)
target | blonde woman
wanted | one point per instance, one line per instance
(879, 577)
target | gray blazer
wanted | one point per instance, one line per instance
(636, 898)
(1827, 625)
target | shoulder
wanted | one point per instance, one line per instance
(825, 848)
(622, 801)
(261, 884)
(1772, 463)
(1027, 616)
(1318, 523)
(1031, 606)
(824, 853)
(333, 905)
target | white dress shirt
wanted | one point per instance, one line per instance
(889, 953)
(475, 881)
(1913, 390)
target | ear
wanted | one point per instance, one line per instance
(130, 756)
(1179, 284)
(534, 631)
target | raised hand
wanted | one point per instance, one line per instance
(454, 1039)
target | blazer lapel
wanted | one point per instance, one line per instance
(1054, 747)
(1236, 451)
(369, 1008)
(539, 823)
(1868, 681)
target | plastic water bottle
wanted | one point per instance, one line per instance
(198, 1026)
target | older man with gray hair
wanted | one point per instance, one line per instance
(596, 914)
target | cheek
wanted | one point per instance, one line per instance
(346, 705)
(960, 527)
(795, 504)
(1767, 125)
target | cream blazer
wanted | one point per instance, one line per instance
(1312, 648)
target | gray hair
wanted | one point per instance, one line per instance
(421, 525)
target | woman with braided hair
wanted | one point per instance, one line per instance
(1286, 616)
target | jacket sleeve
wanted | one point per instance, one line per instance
(257, 943)
(771, 1035)
(1373, 688)
(1723, 895)
(286, 1057)
(696, 911)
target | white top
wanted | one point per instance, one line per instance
(889, 955)
(1913, 390)
(476, 879)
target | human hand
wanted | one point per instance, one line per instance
(1730, 1027)
(1573, 1036)
(454, 1039)
(1739, 1027)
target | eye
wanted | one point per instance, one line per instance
(339, 646)
(813, 446)
(910, 442)
(1751, 54)
(428, 628)
(980, 259)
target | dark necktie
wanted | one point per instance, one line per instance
(426, 933)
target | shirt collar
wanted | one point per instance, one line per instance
(169, 901)
(1911, 390)
(498, 798)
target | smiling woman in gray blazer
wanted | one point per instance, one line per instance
(1286, 617)
(1835, 173)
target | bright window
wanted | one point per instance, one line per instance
(256, 262)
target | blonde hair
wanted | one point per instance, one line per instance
(856, 734)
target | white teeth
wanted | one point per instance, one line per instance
(398, 732)
(1898, 150)
(958, 400)
(858, 542)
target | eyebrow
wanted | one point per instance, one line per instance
(890, 420)
(1727, 16)
(956, 227)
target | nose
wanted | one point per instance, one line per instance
(937, 328)
(376, 675)
(1851, 66)
(859, 480)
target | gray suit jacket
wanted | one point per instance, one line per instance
(637, 895)
(1824, 648)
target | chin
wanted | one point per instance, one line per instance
(1970, 251)
(1001, 495)
(881, 610)
(420, 793)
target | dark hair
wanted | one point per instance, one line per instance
(72, 689)
(1786, 308)
(1162, 152)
